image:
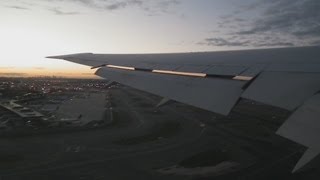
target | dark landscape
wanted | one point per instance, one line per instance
(134, 137)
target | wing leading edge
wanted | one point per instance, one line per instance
(288, 78)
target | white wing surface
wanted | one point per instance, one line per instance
(288, 78)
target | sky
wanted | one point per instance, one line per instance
(30, 30)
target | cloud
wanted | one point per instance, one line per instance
(106, 4)
(230, 42)
(152, 7)
(58, 11)
(222, 42)
(300, 18)
(59, 7)
(268, 23)
(316, 42)
(18, 7)
(166, 4)
(117, 5)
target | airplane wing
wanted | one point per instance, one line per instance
(288, 78)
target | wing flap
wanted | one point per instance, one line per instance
(307, 158)
(283, 89)
(303, 127)
(216, 95)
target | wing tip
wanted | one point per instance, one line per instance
(53, 57)
(67, 56)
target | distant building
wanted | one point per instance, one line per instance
(20, 110)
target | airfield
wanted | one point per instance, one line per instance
(129, 137)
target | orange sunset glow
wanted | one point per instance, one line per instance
(77, 72)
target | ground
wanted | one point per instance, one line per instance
(174, 141)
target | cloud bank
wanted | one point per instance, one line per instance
(151, 7)
(278, 23)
